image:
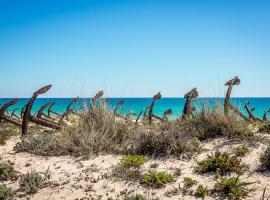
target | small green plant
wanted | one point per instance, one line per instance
(232, 187)
(189, 182)
(264, 127)
(133, 161)
(220, 163)
(241, 151)
(201, 192)
(7, 131)
(7, 171)
(31, 182)
(265, 159)
(157, 179)
(5, 192)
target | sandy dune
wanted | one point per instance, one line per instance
(90, 178)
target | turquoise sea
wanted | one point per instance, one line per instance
(138, 104)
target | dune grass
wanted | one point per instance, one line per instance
(7, 131)
(265, 159)
(99, 131)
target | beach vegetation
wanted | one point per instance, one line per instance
(189, 182)
(157, 179)
(128, 174)
(232, 187)
(265, 159)
(219, 163)
(7, 131)
(5, 192)
(139, 197)
(99, 130)
(241, 151)
(201, 192)
(212, 123)
(133, 161)
(31, 182)
(7, 171)
(264, 127)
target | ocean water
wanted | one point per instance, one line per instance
(136, 105)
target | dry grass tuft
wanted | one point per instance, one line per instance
(265, 159)
(213, 123)
(7, 131)
(100, 131)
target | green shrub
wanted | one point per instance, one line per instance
(265, 159)
(189, 182)
(133, 161)
(264, 127)
(7, 171)
(220, 163)
(5, 192)
(31, 182)
(201, 192)
(157, 179)
(232, 187)
(241, 151)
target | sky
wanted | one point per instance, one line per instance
(134, 48)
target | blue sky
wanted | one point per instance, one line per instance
(134, 48)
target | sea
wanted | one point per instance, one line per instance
(136, 105)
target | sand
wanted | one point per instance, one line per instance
(90, 178)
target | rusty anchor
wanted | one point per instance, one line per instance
(188, 109)
(227, 104)
(27, 117)
(120, 103)
(7, 118)
(151, 114)
(68, 111)
(138, 117)
(40, 112)
(22, 110)
(250, 112)
(13, 114)
(230, 84)
(166, 114)
(94, 99)
(50, 111)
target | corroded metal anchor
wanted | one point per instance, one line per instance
(13, 114)
(4, 117)
(188, 108)
(27, 117)
(68, 111)
(227, 104)
(265, 115)
(151, 114)
(166, 114)
(120, 103)
(250, 112)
